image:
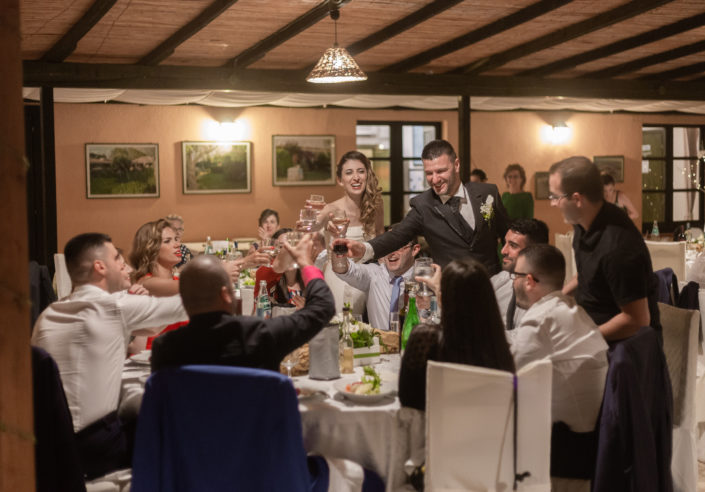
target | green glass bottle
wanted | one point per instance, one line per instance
(410, 321)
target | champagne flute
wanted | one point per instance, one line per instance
(423, 268)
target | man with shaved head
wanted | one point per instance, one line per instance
(215, 336)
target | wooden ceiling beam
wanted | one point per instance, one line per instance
(676, 73)
(167, 47)
(38, 74)
(298, 25)
(519, 17)
(595, 23)
(423, 14)
(68, 42)
(647, 61)
(663, 32)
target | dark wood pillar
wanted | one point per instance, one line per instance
(464, 137)
(16, 417)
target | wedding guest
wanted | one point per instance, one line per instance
(471, 331)
(478, 176)
(86, 333)
(554, 327)
(383, 281)
(457, 221)
(519, 203)
(521, 233)
(617, 197)
(176, 222)
(214, 336)
(268, 223)
(615, 281)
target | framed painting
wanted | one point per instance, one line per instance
(216, 167)
(122, 170)
(611, 164)
(303, 160)
(541, 186)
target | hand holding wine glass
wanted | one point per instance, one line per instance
(340, 222)
(307, 219)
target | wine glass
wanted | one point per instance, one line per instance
(315, 202)
(423, 268)
(290, 361)
(293, 237)
(340, 221)
(269, 247)
(307, 219)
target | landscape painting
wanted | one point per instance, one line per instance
(216, 167)
(122, 170)
(303, 160)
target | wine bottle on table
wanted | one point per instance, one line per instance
(264, 305)
(410, 321)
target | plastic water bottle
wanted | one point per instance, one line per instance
(264, 306)
(654, 230)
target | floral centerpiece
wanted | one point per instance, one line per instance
(366, 342)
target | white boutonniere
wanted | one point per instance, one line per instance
(487, 210)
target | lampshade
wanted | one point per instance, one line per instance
(336, 65)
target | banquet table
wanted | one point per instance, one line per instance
(382, 436)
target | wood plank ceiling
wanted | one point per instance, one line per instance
(638, 49)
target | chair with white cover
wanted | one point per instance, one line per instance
(470, 427)
(668, 254)
(680, 345)
(564, 243)
(61, 276)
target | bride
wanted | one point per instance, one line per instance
(362, 204)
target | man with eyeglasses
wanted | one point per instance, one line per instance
(521, 233)
(615, 283)
(383, 281)
(554, 327)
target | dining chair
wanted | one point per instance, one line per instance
(680, 346)
(470, 440)
(564, 243)
(635, 430)
(221, 428)
(668, 254)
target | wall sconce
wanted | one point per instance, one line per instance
(558, 134)
(227, 131)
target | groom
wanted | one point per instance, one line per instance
(457, 220)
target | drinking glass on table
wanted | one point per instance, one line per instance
(394, 322)
(307, 219)
(290, 361)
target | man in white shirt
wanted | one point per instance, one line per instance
(383, 281)
(521, 233)
(554, 327)
(87, 335)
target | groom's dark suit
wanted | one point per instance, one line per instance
(448, 238)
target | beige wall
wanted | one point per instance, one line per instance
(498, 139)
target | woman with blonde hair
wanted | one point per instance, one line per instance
(362, 204)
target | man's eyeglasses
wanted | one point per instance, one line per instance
(555, 198)
(516, 275)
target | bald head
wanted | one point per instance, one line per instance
(205, 286)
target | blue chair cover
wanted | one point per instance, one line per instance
(220, 428)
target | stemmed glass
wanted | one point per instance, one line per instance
(423, 269)
(268, 246)
(340, 221)
(316, 202)
(293, 238)
(290, 361)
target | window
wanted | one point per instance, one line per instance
(394, 148)
(672, 175)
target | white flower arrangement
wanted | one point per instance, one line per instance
(487, 210)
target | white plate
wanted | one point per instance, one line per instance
(142, 358)
(385, 390)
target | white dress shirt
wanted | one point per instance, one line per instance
(87, 335)
(378, 282)
(556, 328)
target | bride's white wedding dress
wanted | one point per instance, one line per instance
(342, 292)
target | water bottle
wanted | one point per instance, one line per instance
(209, 246)
(410, 321)
(654, 230)
(264, 306)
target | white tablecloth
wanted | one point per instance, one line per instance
(383, 436)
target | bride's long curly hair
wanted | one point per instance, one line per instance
(371, 198)
(145, 248)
